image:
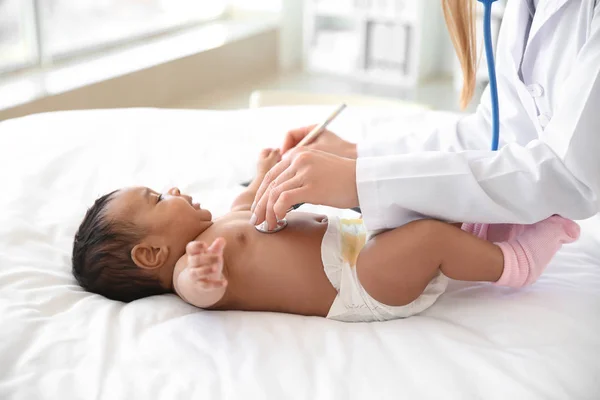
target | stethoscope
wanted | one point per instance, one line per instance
(489, 53)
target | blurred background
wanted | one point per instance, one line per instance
(213, 54)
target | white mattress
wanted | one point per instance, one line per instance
(57, 341)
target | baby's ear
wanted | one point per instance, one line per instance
(149, 257)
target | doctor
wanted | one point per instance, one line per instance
(548, 61)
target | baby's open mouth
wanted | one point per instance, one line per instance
(194, 205)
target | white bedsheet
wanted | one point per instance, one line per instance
(58, 342)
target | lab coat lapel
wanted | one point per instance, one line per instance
(544, 13)
(543, 17)
(517, 15)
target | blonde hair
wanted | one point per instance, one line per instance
(460, 20)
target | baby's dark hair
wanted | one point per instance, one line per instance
(102, 260)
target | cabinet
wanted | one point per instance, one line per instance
(381, 41)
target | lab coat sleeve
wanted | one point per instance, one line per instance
(559, 173)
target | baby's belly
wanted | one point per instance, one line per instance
(283, 271)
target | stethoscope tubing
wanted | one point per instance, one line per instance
(489, 53)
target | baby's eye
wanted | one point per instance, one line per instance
(160, 198)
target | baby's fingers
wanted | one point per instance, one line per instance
(212, 283)
(195, 248)
(205, 260)
(217, 246)
(198, 274)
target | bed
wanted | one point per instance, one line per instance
(57, 341)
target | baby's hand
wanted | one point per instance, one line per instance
(267, 160)
(205, 265)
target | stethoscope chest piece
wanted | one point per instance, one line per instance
(264, 228)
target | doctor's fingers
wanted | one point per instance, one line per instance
(293, 137)
(264, 210)
(279, 201)
(270, 176)
(288, 198)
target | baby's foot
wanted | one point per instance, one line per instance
(479, 230)
(503, 232)
(527, 255)
(267, 160)
(494, 232)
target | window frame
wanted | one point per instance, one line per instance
(42, 60)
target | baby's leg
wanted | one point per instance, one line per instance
(396, 266)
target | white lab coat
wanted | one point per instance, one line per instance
(549, 161)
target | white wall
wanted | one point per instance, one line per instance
(257, 5)
(447, 54)
(290, 15)
(291, 34)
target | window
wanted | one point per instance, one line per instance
(70, 27)
(17, 35)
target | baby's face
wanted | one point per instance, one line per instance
(169, 217)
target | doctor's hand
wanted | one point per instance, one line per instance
(327, 141)
(305, 176)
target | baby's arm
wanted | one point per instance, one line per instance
(201, 282)
(267, 159)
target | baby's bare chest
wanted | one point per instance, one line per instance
(250, 251)
(273, 271)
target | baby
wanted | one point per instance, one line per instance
(135, 243)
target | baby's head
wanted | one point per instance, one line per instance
(130, 240)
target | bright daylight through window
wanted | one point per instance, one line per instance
(35, 30)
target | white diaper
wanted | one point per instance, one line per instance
(339, 251)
